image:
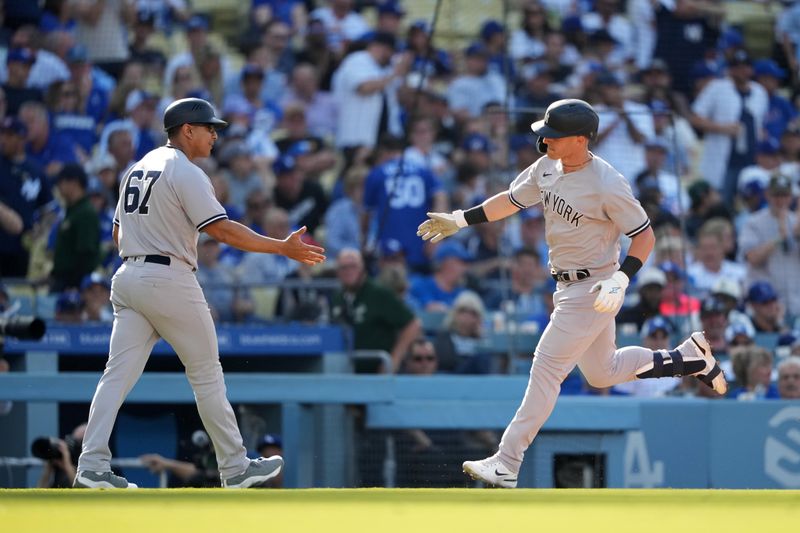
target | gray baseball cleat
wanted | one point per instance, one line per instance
(101, 480)
(259, 471)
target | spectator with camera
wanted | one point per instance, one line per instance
(201, 471)
(60, 458)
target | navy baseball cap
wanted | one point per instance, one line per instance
(450, 249)
(420, 25)
(145, 16)
(78, 54)
(751, 188)
(740, 57)
(491, 28)
(735, 329)
(700, 70)
(769, 146)
(391, 247)
(384, 38)
(712, 306)
(300, 148)
(761, 292)
(95, 278)
(476, 50)
(68, 301)
(730, 38)
(475, 142)
(791, 338)
(197, 22)
(22, 55)
(768, 67)
(391, 8)
(656, 323)
(14, 125)
(284, 164)
(671, 268)
(270, 439)
(251, 70)
(602, 36)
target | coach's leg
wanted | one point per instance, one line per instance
(132, 339)
(186, 324)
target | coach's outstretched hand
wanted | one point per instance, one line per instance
(437, 227)
(611, 292)
(295, 248)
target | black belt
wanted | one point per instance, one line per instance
(158, 259)
(567, 275)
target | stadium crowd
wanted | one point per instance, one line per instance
(354, 119)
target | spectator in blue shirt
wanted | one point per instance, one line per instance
(343, 217)
(752, 366)
(780, 112)
(45, 146)
(398, 193)
(438, 291)
(24, 189)
(95, 86)
(67, 117)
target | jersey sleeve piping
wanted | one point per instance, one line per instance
(514, 201)
(116, 222)
(209, 220)
(637, 231)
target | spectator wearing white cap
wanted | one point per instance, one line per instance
(730, 293)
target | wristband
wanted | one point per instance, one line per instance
(630, 266)
(475, 215)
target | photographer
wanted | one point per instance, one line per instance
(60, 458)
(201, 471)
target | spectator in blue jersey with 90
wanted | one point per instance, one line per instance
(438, 291)
(397, 195)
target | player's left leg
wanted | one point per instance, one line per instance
(572, 330)
(604, 365)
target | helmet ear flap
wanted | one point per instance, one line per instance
(541, 145)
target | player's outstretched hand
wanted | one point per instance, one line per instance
(437, 227)
(611, 292)
(295, 248)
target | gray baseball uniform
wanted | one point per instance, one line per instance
(165, 200)
(585, 212)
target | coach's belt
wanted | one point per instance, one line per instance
(570, 275)
(158, 259)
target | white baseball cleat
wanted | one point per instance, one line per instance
(491, 471)
(712, 375)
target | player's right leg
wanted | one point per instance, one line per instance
(132, 339)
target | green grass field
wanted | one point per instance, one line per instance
(399, 510)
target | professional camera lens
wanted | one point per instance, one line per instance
(22, 327)
(46, 448)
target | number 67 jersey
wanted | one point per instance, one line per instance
(164, 202)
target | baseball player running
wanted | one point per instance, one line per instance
(586, 204)
(165, 200)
